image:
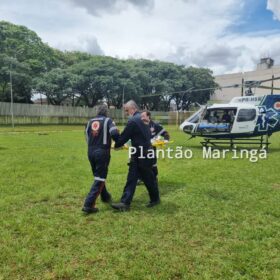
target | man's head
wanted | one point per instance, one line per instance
(102, 110)
(130, 108)
(146, 116)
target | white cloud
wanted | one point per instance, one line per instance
(89, 45)
(181, 31)
(274, 6)
(97, 7)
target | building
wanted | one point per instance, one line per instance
(265, 70)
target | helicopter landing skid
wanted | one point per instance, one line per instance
(261, 141)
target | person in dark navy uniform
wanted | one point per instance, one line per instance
(99, 132)
(156, 131)
(140, 165)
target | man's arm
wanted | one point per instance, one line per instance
(87, 126)
(160, 131)
(125, 135)
(113, 130)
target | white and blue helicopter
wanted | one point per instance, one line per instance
(244, 120)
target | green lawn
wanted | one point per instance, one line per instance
(219, 219)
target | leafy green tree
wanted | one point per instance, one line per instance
(88, 79)
(203, 84)
(102, 78)
(57, 85)
(23, 52)
(14, 73)
(68, 58)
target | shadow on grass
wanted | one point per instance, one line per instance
(3, 148)
(272, 150)
(195, 147)
(165, 188)
(217, 195)
(137, 206)
(64, 200)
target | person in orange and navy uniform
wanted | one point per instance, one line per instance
(99, 132)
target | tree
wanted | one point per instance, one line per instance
(88, 79)
(57, 85)
(102, 78)
(16, 72)
(203, 86)
(23, 52)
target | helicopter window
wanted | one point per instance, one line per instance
(246, 115)
(213, 116)
(195, 117)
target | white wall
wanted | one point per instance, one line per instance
(227, 94)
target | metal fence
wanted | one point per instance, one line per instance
(50, 114)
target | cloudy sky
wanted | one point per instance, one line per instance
(226, 36)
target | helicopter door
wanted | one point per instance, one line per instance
(245, 121)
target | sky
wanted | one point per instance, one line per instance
(225, 36)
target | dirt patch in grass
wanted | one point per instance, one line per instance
(276, 186)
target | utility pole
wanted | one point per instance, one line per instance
(12, 97)
(242, 86)
(123, 104)
(272, 84)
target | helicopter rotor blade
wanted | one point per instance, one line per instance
(267, 87)
(267, 80)
(252, 84)
(231, 86)
(247, 84)
(152, 95)
(177, 92)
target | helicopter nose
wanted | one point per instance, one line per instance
(188, 128)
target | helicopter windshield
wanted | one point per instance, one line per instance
(196, 116)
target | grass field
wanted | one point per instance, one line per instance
(219, 219)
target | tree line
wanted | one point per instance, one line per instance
(84, 79)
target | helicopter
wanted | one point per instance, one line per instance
(246, 119)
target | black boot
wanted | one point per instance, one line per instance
(153, 203)
(120, 206)
(90, 210)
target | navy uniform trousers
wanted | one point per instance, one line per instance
(99, 160)
(154, 166)
(155, 169)
(140, 168)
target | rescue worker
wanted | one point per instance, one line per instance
(99, 132)
(140, 165)
(156, 131)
